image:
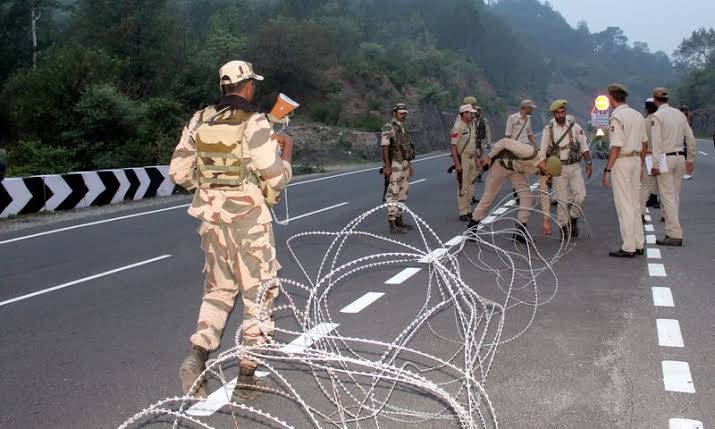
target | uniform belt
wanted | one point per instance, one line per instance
(628, 155)
(566, 162)
(681, 153)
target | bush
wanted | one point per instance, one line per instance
(28, 158)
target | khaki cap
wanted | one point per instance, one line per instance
(400, 108)
(235, 72)
(470, 100)
(614, 87)
(660, 92)
(528, 103)
(558, 104)
(467, 108)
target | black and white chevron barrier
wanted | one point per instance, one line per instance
(58, 192)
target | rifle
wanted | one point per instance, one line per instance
(387, 184)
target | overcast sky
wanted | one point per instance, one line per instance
(663, 24)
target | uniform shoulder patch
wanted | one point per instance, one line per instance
(455, 135)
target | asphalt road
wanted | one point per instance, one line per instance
(106, 342)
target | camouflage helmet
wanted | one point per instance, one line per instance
(470, 100)
(554, 165)
(400, 108)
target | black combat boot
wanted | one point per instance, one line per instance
(190, 370)
(248, 387)
(669, 241)
(396, 229)
(465, 218)
(402, 224)
(574, 227)
(520, 235)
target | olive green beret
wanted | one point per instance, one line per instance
(617, 87)
(558, 104)
(469, 100)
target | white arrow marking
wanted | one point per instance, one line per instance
(167, 186)
(143, 183)
(20, 196)
(94, 186)
(123, 186)
(60, 190)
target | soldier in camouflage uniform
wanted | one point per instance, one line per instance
(397, 152)
(229, 154)
(564, 138)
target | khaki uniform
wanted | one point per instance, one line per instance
(569, 187)
(670, 129)
(628, 133)
(464, 137)
(227, 156)
(519, 128)
(395, 135)
(514, 170)
(649, 184)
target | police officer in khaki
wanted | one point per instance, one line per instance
(518, 125)
(397, 154)
(671, 132)
(466, 159)
(564, 139)
(649, 184)
(514, 161)
(628, 141)
(229, 155)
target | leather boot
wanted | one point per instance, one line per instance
(395, 229)
(249, 387)
(574, 227)
(190, 370)
(669, 241)
(402, 224)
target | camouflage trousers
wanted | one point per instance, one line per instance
(398, 188)
(239, 259)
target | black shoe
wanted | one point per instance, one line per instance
(471, 229)
(620, 253)
(472, 223)
(520, 236)
(402, 224)
(640, 252)
(656, 205)
(669, 241)
(465, 218)
(574, 227)
(395, 229)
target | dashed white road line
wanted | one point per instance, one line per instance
(703, 153)
(99, 222)
(318, 211)
(649, 228)
(510, 203)
(501, 211)
(676, 377)
(662, 297)
(656, 270)
(455, 241)
(684, 424)
(418, 181)
(361, 303)
(83, 280)
(669, 333)
(653, 253)
(488, 220)
(650, 239)
(403, 275)
(432, 256)
(648, 218)
(222, 396)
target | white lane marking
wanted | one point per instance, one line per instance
(455, 241)
(433, 256)
(83, 280)
(650, 239)
(114, 219)
(222, 396)
(669, 333)
(488, 220)
(648, 218)
(402, 276)
(684, 424)
(501, 211)
(361, 303)
(703, 153)
(418, 181)
(662, 297)
(676, 377)
(318, 211)
(656, 270)
(320, 179)
(649, 228)
(653, 253)
(647, 210)
(510, 203)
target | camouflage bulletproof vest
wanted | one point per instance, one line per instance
(554, 150)
(401, 147)
(219, 149)
(506, 158)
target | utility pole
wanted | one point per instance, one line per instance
(36, 14)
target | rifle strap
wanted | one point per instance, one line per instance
(522, 128)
